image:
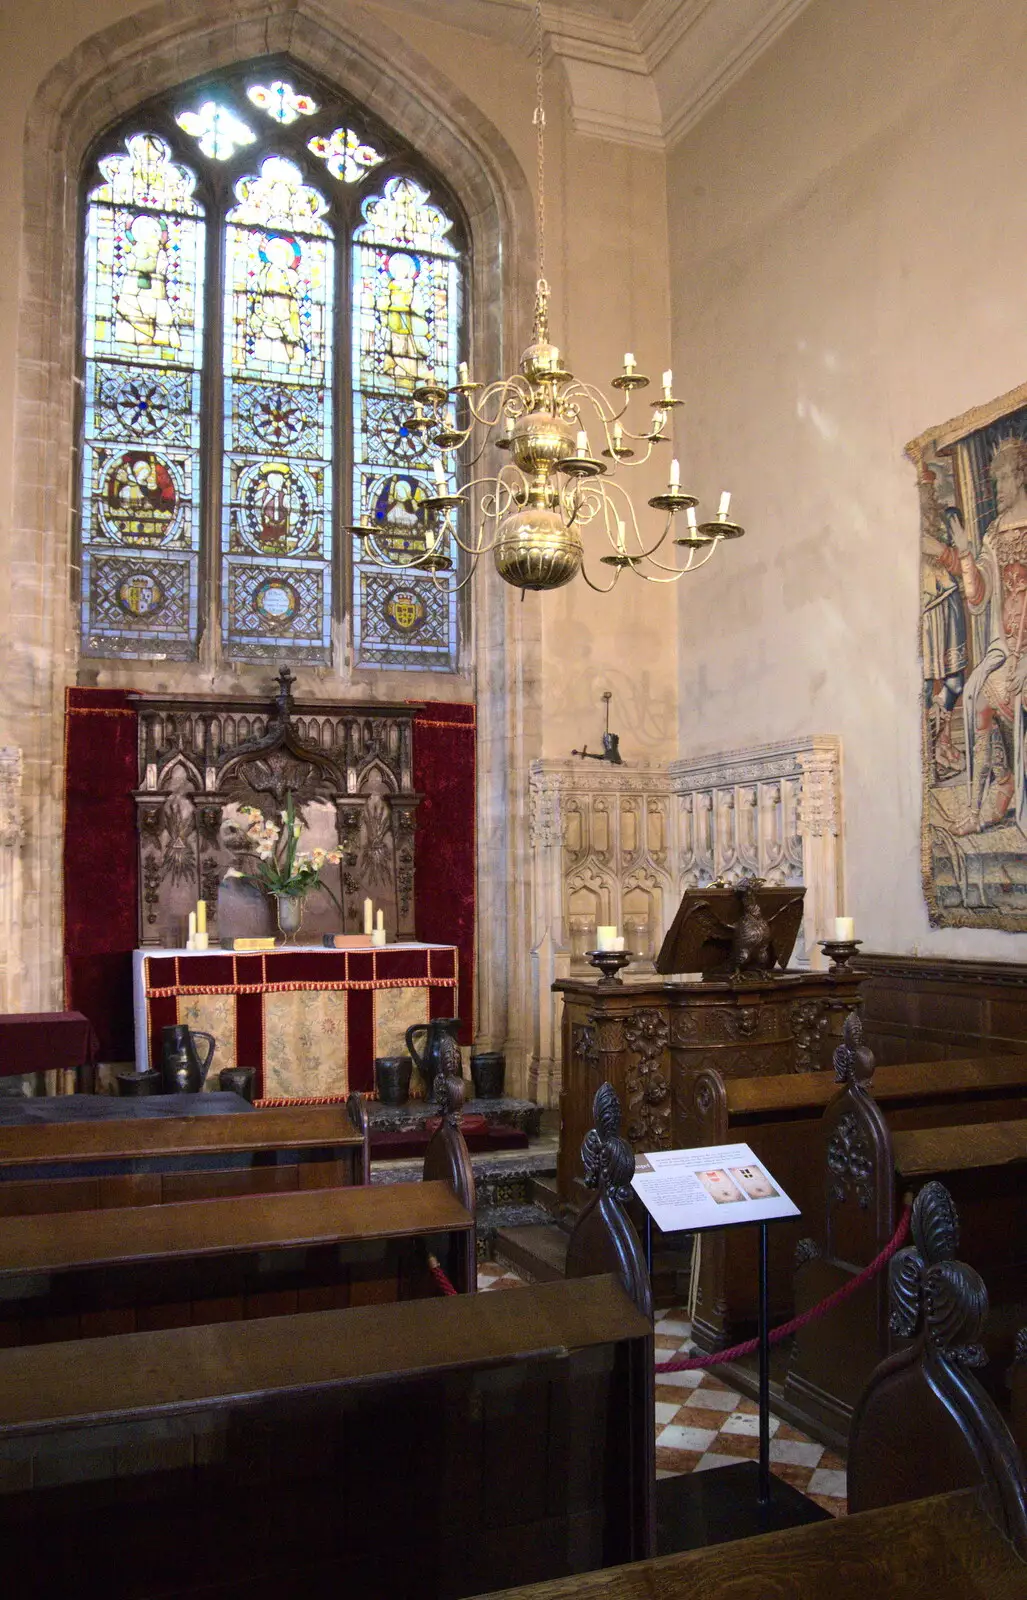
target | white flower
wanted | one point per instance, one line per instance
(233, 872)
(284, 815)
(264, 853)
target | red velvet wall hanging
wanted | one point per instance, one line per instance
(100, 864)
(100, 853)
(444, 773)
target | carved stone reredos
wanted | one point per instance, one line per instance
(349, 770)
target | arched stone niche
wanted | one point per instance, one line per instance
(99, 81)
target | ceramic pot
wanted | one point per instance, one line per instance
(136, 1083)
(441, 1052)
(238, 1080)
(392, 1079)
(289, 911)
(488, 1072)
(182, 1070)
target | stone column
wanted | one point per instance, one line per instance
(11, 840)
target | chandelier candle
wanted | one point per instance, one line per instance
(629, 363)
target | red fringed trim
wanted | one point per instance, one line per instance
(295, 988)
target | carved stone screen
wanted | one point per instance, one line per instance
(349, 770)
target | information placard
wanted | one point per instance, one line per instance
(711, 1186)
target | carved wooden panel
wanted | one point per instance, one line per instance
(349, 770)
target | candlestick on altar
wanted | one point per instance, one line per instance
(201, 916)
(380, 923)
(191, 941)
(368, 916)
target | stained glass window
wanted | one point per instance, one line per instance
(276, 538)
(406, 314)
(265, 284)
(143, 341)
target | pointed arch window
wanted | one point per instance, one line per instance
(267, 276)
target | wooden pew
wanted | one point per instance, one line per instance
(943, 1548)
(432, 1449)
(936, 1487)
(781, 1117)
(923, 1423)
(221, 1259)
(87, 1166)
(148, 1267)
(864, 1168)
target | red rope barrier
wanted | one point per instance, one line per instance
(440, 1277)
(692, 1363)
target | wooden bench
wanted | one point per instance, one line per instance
(147, 1267)
(936, 1487)
(864, 1165)
(781, 1118)
(942, 1548)
(87, 1166)
(435, 1449)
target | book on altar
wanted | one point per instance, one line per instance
(347, 941)
(262, 943)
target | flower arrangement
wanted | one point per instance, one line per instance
(281, 868)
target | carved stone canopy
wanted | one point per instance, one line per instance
(202, 759)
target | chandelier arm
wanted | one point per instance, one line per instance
(597, 587)
(681, 572)
(515, 386)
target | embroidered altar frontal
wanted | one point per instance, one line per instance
(310, 1021)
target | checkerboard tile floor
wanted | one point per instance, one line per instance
(702, 1424)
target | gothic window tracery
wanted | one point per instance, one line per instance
(267, 277)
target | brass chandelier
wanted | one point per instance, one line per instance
(531, 513)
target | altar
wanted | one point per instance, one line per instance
(310, 1020)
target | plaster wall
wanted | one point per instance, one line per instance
(847, 242)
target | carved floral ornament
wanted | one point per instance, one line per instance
(646, 1086)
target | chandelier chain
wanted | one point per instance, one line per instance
(540, 141)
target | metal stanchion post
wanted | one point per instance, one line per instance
(764, 1372)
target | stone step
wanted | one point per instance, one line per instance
(539, 1253)
(543, 1192)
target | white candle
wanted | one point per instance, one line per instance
(629, 361)
(199, 941)
(605, 935)
(618, 434)
(618, 943)
(509, 426)
(440, 473)
(380, 923)
(690, 517)
(620, 537)
(201, 916)
(725, 504)
(192, 930)
(378, 937)
(581, 445)
(462, 370)
(368, 915)
(675, 475)
(844, 930)
(554, 360)
(668, 379)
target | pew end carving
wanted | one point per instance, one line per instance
(356, 1110)
(924, 1425)
(604, 1238)
(447, 1158)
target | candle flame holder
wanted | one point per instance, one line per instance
(841, 952)
(609, 963)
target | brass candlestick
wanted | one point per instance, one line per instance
(610, 962)
(841, 952)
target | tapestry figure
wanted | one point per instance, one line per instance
(972, 481)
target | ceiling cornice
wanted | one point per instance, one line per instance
(644, 82)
